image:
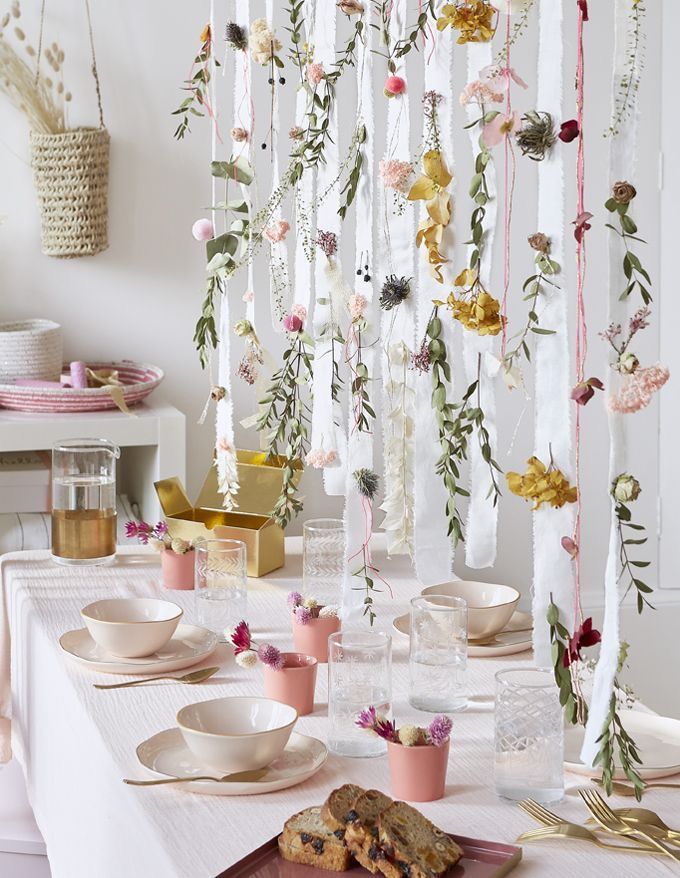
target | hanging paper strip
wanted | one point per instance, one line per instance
(397, 336)
(360, 443)
(553, 567)
(331, 289)
(433, 547)
(279, 280)
(482, 518)
(622, 160)
(225, 453)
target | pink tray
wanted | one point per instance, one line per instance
(481, 859)
(139, 380)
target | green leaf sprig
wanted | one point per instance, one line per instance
(479, 192)
(349, 190)
(197, 86)
(518, 29)
(295, 14)
(629, 83)
(367, 483)
(636, 275)
(630, 566)
(400, 48)
(363, 411)
(286, 415)
(572, 701)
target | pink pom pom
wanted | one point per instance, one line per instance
(292, 323)
(203, 230)
(395, 85)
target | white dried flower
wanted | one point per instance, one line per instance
(329, 611)
(158, 545)
(310, 603)
(409, 735)
(180, 546)
(246, 659)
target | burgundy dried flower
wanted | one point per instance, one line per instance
(569, 131)
(581, 225)
(241, 637)
(585, 390)
(569, 546)
(271, 656)
(439, 730)
(378, 724)
(583, 637)
(583, 6)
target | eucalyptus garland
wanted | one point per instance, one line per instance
(626, 489)
(399, 48)
(285, 415)
(619, 203)
(367, 483)
(197, 86)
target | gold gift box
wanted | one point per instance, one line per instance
(259, 488)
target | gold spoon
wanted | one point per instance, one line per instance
(193, 677)
(623, 789)
(237, 777)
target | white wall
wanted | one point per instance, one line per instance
(141, 297)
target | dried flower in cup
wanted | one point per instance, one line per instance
(247, 651)
(435, 735)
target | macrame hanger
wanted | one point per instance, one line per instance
(95, 72)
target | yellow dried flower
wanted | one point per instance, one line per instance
(542, 484)
(409, 736)
(473, 19)
(480, 314)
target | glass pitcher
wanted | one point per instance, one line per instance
(84, 501)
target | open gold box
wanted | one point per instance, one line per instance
(259, 489)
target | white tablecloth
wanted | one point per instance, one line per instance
(77, 743)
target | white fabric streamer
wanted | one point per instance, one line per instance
(360, 444)
(329, 286)
(482, 517)
(622, 160)
(433, 547)
(553, 567)
(396, 256)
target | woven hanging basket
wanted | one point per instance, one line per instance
(71, 173)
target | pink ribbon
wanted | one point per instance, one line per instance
(508, 186)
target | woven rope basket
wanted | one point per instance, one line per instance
(71, 173)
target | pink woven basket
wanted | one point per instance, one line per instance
(139, 380)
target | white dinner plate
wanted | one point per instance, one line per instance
(188, 646)
(506, 642)
(166, 753)
(657, 739)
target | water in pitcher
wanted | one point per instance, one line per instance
(83, 518)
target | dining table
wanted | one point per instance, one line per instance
(76, 743)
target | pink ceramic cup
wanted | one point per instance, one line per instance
(418, 774)
(312, 638)
(177, 570)
(294, 684)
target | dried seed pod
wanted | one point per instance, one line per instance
(60, 87)
(30, 51)
(48, 82)
(68, 96)
(19, 34)
(5, 20)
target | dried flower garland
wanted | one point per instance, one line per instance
(247, 651)
(542, 484)
(363, 411)
(197, 85)
(475, 20)
(619, 202)
(436, 734)
(394, 50)
(253, 357)
(285, 415)
(626, 489)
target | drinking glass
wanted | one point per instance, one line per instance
(323, 559)
(438, 653)
(221, 584)
(359, 675)
(84, 501)
(529, 736)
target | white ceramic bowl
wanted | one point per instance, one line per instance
(490, 606)
(237, 733)
(131, 627)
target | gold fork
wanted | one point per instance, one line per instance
(555, 827)
(648, 819)
(608, 820)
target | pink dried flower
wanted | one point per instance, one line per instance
(303, 615)
(315, 73)
(395, 174)
(478, 92)
(420, 360)
(357, 305)
(501, 77)
(639, 320)
(318, 458)
(294, 599)
(248, 296)
(299, 311)
(296, 133)
(276, 232)
(371, 721)
(292, 323)
(585, 390)
(328, 242)
(581, 225)
(638, 388)
(203, 230)
(224, 445)
(271, 656)
(247, 371)
(569, 546)
(130, 529)
(394, 85)
(239, 135)
(439, 730)
(500, 127)
(241, 638)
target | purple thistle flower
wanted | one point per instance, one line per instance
(439, 730)
(378, 724)
(271, 656)
(161, 529)
(303, 615)
(294, 599)
(367, 718)
(130, 529)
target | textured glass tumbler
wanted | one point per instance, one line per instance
(438, 653)
(529, 738)
(359, 676)
(323, 560)
(221, 584)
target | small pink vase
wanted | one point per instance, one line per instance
(418, 774)
(294, 684)
(312, 638)
(177, 570)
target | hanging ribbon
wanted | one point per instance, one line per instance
(622, 161)
(482, 517)
(360, 443)
(553, 567)
(397, 333)
(433, 546)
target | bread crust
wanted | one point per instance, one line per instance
(306, 839)
(339, 860)
(336, 807)
(361, 835)
(413, 846)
